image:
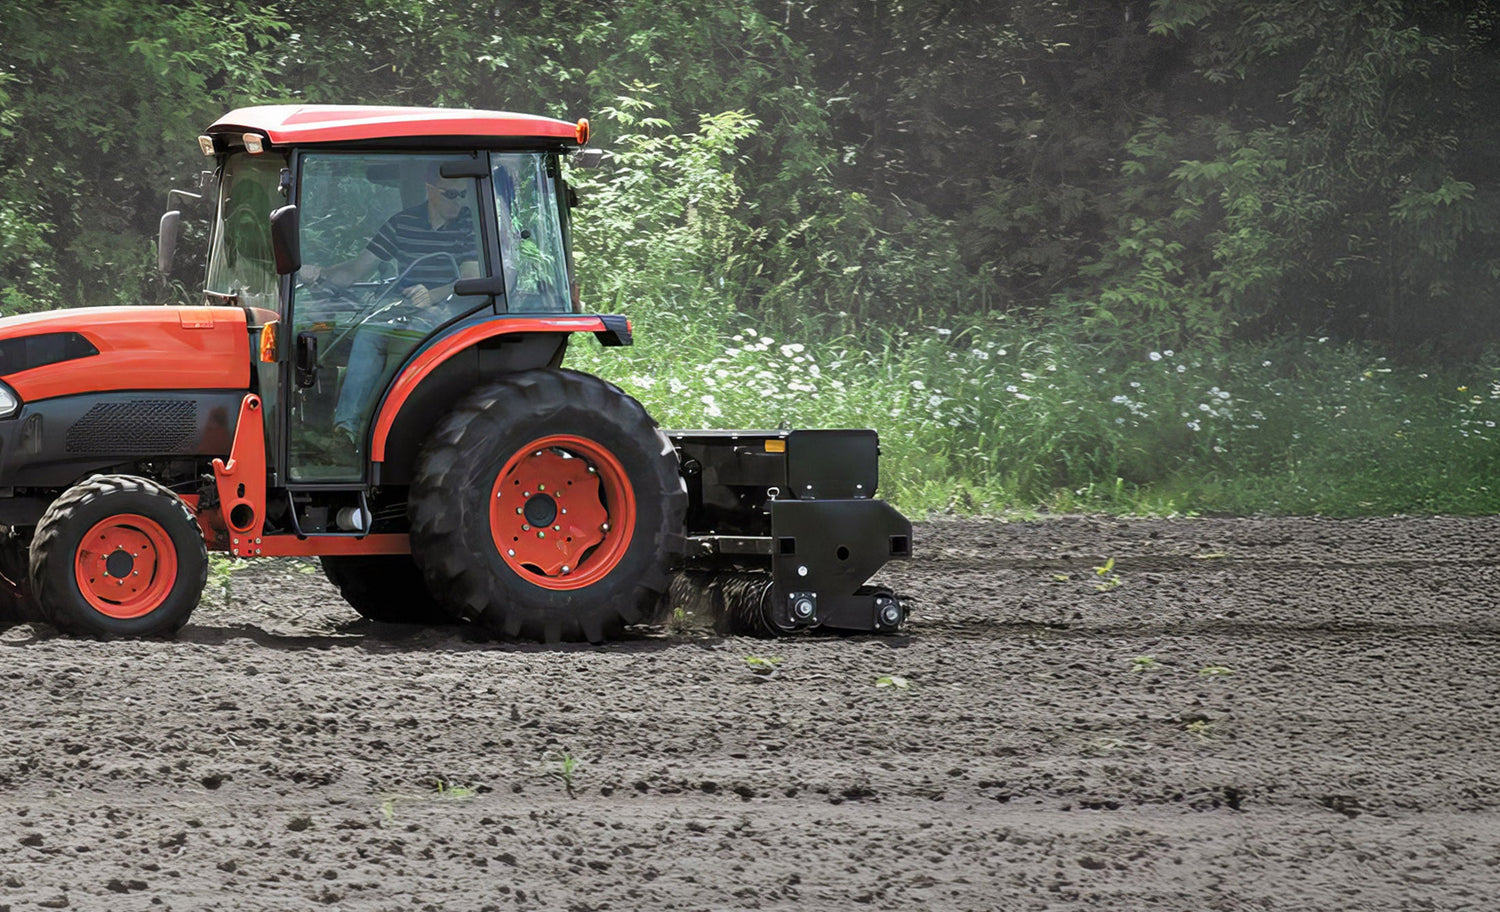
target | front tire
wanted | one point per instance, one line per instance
(548, 506)
(118, 556)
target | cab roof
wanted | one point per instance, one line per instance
(298, 124)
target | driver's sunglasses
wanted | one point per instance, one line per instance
(452, 194)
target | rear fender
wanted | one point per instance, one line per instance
(439, 373)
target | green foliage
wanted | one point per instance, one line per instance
(101, 101)
(1170, 174)
(661, 216)
(1068, 254)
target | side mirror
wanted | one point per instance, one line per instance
(166, 240)
(286, 244)
(589, 157)
(166, 237)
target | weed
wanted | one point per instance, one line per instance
(1201, 729)
(221, 570)
(443, 790)
(1113, 745)
(677, 622)
(893, 681)
(763, 664)
(1144, 663)
(449, 791)
(1215, 670)
(1108, 578)
(558, 763)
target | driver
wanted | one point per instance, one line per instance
(424, 242)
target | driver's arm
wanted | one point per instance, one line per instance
(345, 273)
(421, 295)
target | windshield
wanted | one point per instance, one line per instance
(531, 242)
(240, 261)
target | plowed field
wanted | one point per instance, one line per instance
(1234, 715)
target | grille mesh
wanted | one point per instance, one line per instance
(140, 427)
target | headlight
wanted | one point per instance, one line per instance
(10, 403)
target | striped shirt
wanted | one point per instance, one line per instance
(409, 239)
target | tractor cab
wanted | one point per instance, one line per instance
(389, 242)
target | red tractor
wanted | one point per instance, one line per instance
(375, 379)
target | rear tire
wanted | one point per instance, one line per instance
(386, 588)
(548, 506)
(118, 555)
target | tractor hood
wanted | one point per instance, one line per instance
(100, 349)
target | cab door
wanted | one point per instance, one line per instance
(384, 237)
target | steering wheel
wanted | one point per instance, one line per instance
(378, 306)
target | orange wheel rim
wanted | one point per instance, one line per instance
(562, 512)
(126, 566)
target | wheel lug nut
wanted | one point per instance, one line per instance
(525, 528)
(511, 552)
(604, 527)
(541, 535)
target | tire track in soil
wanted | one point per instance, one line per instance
(283, 754)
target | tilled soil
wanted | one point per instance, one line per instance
(1245, 714)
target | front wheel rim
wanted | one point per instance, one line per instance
(125, 566)
(562, 512)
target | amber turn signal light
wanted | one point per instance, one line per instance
(268, 343)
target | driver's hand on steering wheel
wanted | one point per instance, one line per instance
(419, 295)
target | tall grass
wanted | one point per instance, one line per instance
(1004, 415)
